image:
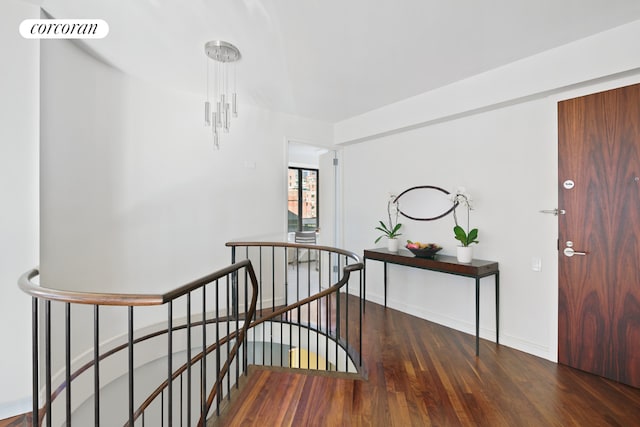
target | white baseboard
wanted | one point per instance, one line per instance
(466, 327)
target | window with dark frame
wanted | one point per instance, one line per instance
(303, 199)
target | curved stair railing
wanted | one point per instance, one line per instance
(130, 301)
(307, 302)
(296, 299)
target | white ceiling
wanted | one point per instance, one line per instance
(334, 59)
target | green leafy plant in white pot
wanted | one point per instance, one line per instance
(391, 230)
(464, 251)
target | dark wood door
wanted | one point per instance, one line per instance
(599, 293)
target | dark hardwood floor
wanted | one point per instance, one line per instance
(23, 420)
(423, 374)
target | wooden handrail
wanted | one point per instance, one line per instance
(338, 251)
(97, 298)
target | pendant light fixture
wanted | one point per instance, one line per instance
(222, 98)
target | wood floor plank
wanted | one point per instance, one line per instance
(423, 374)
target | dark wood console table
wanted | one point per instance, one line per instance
(477, 269)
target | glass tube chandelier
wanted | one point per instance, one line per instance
(222, 99)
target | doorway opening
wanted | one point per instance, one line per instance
(304, 170)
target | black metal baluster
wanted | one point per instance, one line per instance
(34, 364)
(319, 268)
(234, 277)
(338, 320)
(327, 301)
(162, 408)
(283, 316)
(96, 365)
(237, 320)
(245, 354)
(181, 401)
(318, 307)
(308, 343)
(217, 323)
(308, 272)
(298, 275)
(291, 347)
(189, 359)
(308, 308)
(130, 347)
(362, 303)
(246, 301)
(228, 374)
(261, 300)
(308, 305)
(346, 308)
(298, 311)
(273, 297)
(170, 363)
(203, 363)
(260, 284)
(67, 361)
(237, 356)
(48, 359)
(328, 308)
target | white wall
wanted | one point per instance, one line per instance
(306, 155)
(19, 213)
(498, 157)
(498, 139)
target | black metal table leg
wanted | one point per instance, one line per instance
(477, 316)
(498, 308)
(385, 285)
(364, 284)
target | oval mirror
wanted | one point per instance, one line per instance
(424, 203)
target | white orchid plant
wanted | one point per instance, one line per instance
(392, 230)
(461, 198)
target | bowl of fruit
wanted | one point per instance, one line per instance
(423, 250)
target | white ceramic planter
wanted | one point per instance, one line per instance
(465, 254)
(393, 244)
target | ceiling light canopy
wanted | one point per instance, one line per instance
(221, 87)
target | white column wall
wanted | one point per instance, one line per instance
(134, 196)
(19, 192)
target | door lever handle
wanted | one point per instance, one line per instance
(555, 211)
(571, 252)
